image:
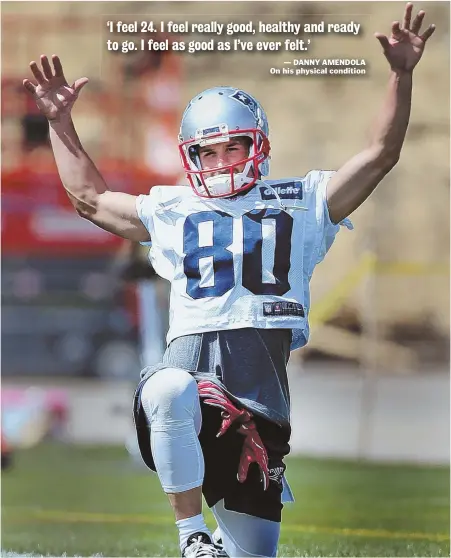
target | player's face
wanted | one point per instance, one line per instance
(223, 154)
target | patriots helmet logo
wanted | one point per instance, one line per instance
(245, 99)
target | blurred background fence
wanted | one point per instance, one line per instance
(374, 380)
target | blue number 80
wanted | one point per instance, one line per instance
(222, 257)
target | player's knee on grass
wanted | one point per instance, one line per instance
(245, 535)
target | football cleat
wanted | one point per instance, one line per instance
(200, 545)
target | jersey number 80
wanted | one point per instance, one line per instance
(252, 253)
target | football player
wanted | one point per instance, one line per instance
(239, 251)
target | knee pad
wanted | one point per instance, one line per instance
(171, 395)
(170, 401)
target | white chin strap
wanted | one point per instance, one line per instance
(221, 185)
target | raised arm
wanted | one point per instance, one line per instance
(351, 185)
(113, 211)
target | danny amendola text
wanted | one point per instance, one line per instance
(329, 62)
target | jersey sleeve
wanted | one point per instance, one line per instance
(145, 206)
(327, 230)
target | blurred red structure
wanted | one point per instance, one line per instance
(134, 110)
(38, 218)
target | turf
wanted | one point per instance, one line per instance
(74, 501)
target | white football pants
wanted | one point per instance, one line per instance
(171, 403)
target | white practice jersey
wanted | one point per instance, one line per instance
(240, 262)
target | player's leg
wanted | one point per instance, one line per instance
(248, 508)
(170, 401)
(226, 352)
(245, 535)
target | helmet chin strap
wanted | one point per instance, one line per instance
(221, 184)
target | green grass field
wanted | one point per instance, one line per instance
(65, 500)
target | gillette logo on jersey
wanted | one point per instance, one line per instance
(287, 191)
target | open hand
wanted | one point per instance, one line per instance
(405, 46)
(53, 95)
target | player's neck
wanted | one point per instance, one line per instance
(244, 192)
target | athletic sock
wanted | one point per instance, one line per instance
(189, 526)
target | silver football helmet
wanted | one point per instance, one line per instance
(218, 115)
